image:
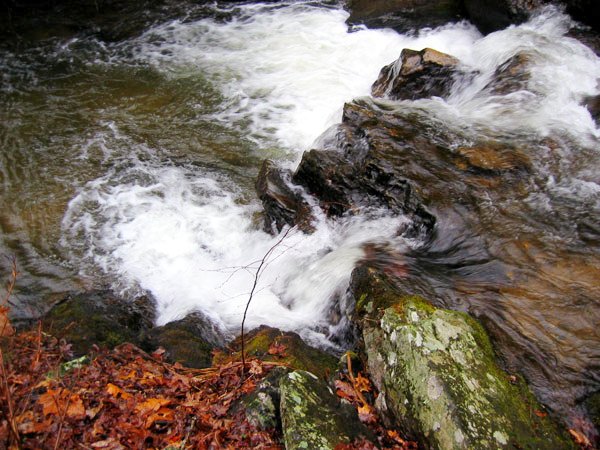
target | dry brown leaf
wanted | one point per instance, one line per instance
(49, 401)
(346, 391)
(277, 349)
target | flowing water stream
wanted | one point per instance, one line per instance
(132, 164)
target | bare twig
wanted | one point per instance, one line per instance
(14, 431)
(256, 278)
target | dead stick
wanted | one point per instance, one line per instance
(256, 277)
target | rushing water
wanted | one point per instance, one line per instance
(132, 165)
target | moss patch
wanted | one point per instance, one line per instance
(271, 344)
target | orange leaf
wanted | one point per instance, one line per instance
(277, 349)
(393, 434)
(49, 401)
(5, 327)
(362, 384)
(151, 405)
(163, 414)
(540, 413)
(75, 410)
(580, 439)
(366, 414)
(117, 392)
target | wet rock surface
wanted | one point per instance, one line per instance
(404, 15)
(189, 341)
(99, 318)
(417, 74)
(436, 373)
(511, 76)
(282, 205)
(493, 15)
(313, 417)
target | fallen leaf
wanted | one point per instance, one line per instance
(540, 413)
(163, 414)
(346, 391)
(75, 408)
(150, 405)
(277, 349)
(366, 414)
(49, 401)
(580, 438)
(362, 384)
(6, 328)
(117, 392)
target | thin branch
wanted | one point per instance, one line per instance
(256, 278)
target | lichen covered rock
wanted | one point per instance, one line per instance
(437, 376)
(262, 405)
(312, 417)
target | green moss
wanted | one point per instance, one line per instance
(295, 352)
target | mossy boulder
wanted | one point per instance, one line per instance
(271, 344)
(189, 341)
(99, 318)
(437, 376)
(313, 417)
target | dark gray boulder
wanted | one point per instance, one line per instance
(494, 15)
(282, 205)
(417, 74)
(404, 15)
(189, 341)
(99, 318)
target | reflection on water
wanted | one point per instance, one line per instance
(132, 164)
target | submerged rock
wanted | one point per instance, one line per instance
(281, 204)
(313, 417)
(417, 74)
(404, 15)
(511, 76)
(271, 344)
(189, 341)
(437, 376)
(99, 318)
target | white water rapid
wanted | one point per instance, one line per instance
(189, 236)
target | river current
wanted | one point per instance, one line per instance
(131, 165)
